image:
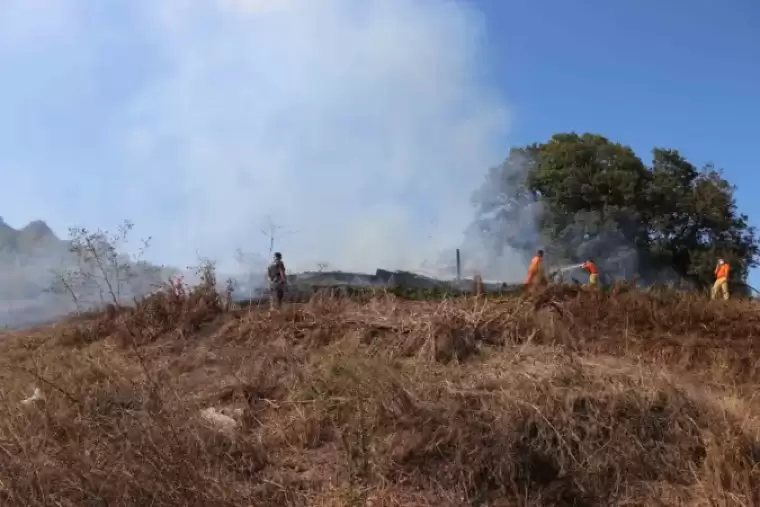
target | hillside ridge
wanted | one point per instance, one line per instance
(566, 396)
(29, 239)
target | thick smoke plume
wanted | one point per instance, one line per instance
(359, 127)
(363, 126)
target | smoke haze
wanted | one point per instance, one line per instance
(361, 128)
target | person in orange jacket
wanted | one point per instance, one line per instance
(721, 280)
(593, 272)
(536, 270)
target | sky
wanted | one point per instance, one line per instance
(360, 129)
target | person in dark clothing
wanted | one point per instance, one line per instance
(277, 279)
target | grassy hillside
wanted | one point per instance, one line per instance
(565, 397)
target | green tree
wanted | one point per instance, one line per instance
(582, 196)
(693, 219)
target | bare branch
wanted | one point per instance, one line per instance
(98, 267)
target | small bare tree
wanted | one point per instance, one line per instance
(230, 287)
(206, 273)
(96, 267)
(254, 263)
(273, 232)
(270, 230)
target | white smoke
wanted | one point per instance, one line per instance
(364, 126)
(360, 127)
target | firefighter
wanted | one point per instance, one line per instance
(536, 270)
(721, 280)
(277, 278)
(593, 272)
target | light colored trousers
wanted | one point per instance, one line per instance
(720, 287)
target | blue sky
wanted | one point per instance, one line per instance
(198, 119)
(681, 74)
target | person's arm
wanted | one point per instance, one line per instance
(283, 277)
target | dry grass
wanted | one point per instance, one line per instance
(565, 397)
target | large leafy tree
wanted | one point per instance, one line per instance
(582, 196)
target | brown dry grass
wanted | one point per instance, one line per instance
(565, 397)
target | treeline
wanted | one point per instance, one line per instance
(581, 196)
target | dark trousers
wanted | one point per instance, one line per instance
(277, 291)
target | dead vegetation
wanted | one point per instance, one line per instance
(565, 397)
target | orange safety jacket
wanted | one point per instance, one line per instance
(534, 268)
(591, 268)
(722, 271)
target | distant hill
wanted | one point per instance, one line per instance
(36, 239)
(26, 257)
(29, 256)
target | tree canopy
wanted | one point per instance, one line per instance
(580, 196)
